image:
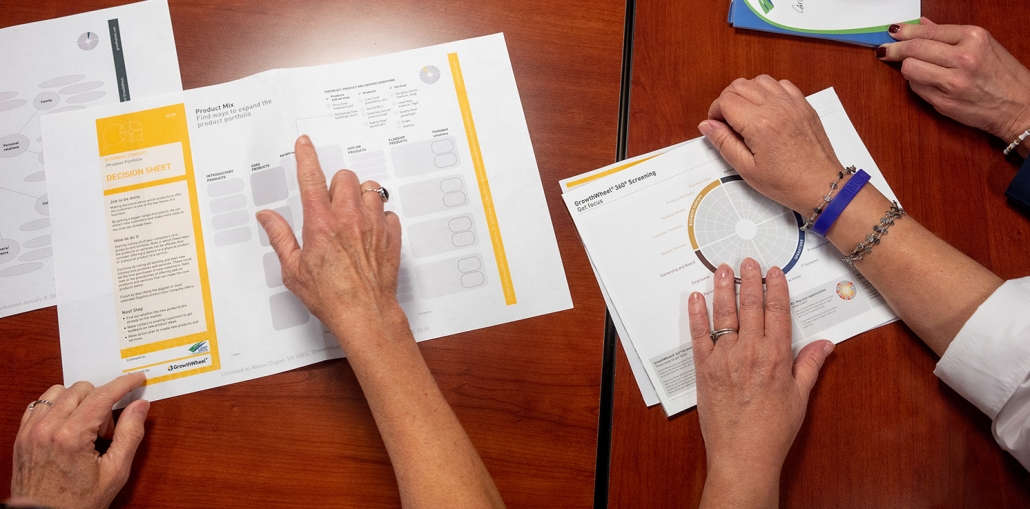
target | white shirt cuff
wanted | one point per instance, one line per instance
(990, 356)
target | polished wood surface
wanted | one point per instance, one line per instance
(526, 392)
(881, 430)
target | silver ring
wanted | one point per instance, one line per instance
(716, 334)
(38, 401)
(383, 193)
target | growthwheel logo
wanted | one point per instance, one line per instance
(766, 5)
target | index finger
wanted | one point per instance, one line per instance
(314, 194)
(726, 106)
(96, 408)
(948, 34)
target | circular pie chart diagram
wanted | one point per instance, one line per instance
(729, 221)
(429, 74)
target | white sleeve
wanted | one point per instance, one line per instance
(988, 363)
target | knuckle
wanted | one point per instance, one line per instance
(103, 391)
(698, 328)
(917, 46)
(65, 437)
(82, 385)
(975, 34)
(969, 60)
(724, 309)
(36, 436)
(763, 124)
(750, 301)
(777, 306)
(955, 82)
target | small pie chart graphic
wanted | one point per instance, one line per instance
(88, 41)
(429, 74)
(729, 221)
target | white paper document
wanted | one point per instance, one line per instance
(636, 365)
(46, 68)
(163, 268)
(657, 230)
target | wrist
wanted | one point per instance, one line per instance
(1016, 127)
(741, 484)
(378, 324)
(27, 503)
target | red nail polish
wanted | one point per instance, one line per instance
(881, 52)
(894, 29)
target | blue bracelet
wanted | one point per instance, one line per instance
(839, 202)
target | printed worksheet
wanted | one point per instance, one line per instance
(657, 230)
(46, 68)
(636, 365)
(164, 269)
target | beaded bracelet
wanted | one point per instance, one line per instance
(1012, 146)
(850, 170)
(863, 248)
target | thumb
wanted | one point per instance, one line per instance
(728, 143)
(128, 434)
(808, 363)
(280, 235)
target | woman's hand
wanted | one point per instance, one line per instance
(752, 393)
(346, 273)
(56, 463)
(965, 74)
(770, 134)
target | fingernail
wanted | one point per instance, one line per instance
(894, 29)
(828, 348)
(694, 301)
(775, 272)
(749, 264)
(704, 127)
(304, 140)
(723, 272)
(143, 408)
(881, 52)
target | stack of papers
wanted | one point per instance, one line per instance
(67, 64)
(863, 22)
(656, 228)
(162, 268)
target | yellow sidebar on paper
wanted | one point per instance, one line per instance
(484, 186)
(166, 326)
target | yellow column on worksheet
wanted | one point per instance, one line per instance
(166, 326)
(484, 185)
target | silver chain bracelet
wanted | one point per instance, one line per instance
(863, 248)
(850, 170)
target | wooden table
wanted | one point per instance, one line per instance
(526, 392)
(882, 430)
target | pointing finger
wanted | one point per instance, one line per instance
(313, 193)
